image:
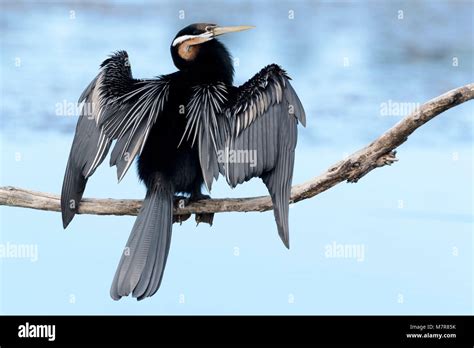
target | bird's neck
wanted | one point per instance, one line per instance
(213, 64)
(210, 74)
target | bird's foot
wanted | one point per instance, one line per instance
(180, 202)
(207, 218)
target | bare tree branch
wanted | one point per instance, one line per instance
(377, 154)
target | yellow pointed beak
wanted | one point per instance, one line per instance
(224, 30)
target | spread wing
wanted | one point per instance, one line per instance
(263, 120)
(114, 106)
(207, 127)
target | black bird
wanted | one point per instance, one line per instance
(185, 128)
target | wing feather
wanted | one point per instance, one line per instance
(90, 145)
(114, 106)
(207, 124)
(263, 121)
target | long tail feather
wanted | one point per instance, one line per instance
(143, 261)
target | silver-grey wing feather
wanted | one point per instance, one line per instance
(263, 123)
(114, 106)
(207, 127)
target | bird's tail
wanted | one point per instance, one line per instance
(143, 261)
(280, 191)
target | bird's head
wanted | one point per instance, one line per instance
(195, 45)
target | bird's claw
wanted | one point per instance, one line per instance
(207, 218)
(181, 218)
(182, 201)
(202, 217)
